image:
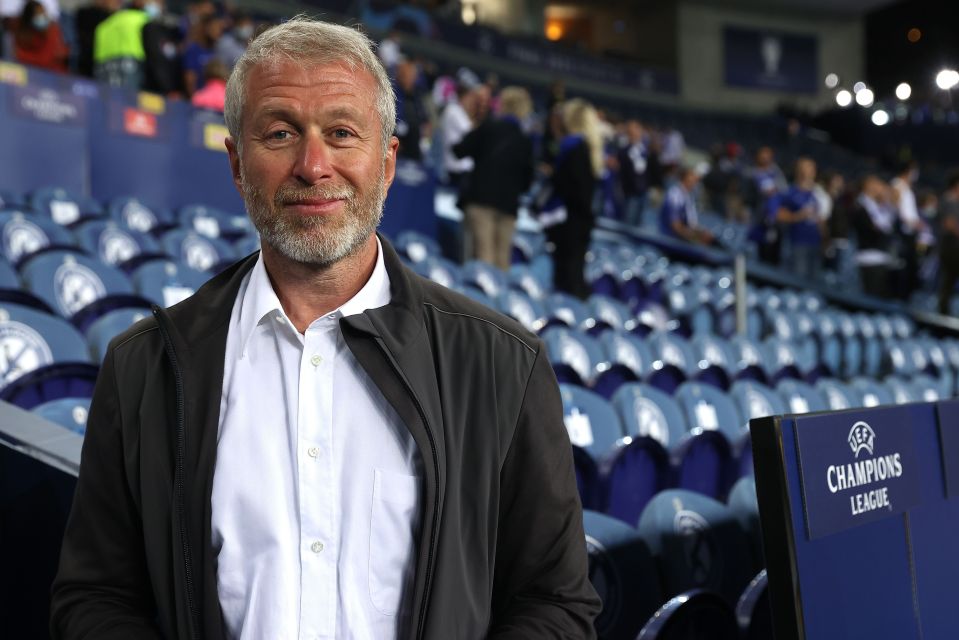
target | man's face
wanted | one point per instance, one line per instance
(311, 166)
(634, 130)
(764, 157)
(805, 171)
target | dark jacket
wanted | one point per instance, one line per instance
(574, 182)
(501, 549)
(502, 164)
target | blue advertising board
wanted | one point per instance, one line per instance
(856, 550)
(949, 437)
(772, 60)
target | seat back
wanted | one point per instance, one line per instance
(164, 282)
(197, 251)
(416, 246)
(572, 350)
(606, 312)
(31, 340)
(113, 244)
(212, 222)
(756, 400)
(646, 411)
(698, 543)
(136, 215)
(870, 393)
(22, 235)
(69, 413)
(800, 397)
(522, 308)
(710, 409)
(590, 421)
(622, 571)
(837, 395)
(696, 615)
(110, 325)
(754, 612)
(64, 207)
(485, 277)
(70, 282)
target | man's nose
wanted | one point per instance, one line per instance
(314, 159)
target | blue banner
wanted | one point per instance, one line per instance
(949, 439)
(48, 105)
(772, 60)
(856, 469)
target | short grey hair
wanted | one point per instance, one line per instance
(310, 43)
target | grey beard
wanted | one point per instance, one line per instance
(317, 241)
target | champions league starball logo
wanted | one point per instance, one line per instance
(861, 436)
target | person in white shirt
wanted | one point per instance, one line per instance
(321, 444)
(455, 123)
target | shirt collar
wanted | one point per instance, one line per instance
(260, 302)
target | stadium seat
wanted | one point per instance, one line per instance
(590, 421)
(477, 296)
(77, 287)
(165, 283)
(745, 507)
(750, 359)
(716, 361)
(928, 389)
(648, 412)
(650, 317)
(754, 612)
(783, 360)
(622, 571)
(714, 427)
(602, 275)
(116, 246)
(484, 277)
(26, 234)
(575, 356)
(673, 360)
(69, 413)
(522, 278)
(698, 543)
(565, 310)
(136, 215)
(246, 245)
(9, 199)
(214, 223)
(197, 251)
(695, 615)
(902, 391)
(416, 247)
(626, 359)
(869, 393)
(109, 325)
(589, 483)
(63, 207)
(606, 313)
(522, 308)
(439, 270)
(801, 397)
(838, 396)
(42, 358)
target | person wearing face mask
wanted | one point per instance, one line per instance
(118, 51)
(234, 42)
(38, 40)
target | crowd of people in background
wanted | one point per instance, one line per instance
(493, 146)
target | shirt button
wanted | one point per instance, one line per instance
(316, 360)
(313, 452)
(317, 547)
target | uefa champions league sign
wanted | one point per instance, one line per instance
(856, 468)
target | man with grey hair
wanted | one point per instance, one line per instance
(320, 443)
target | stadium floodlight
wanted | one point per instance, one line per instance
(843, 98)
(880, 117)
(832, 81)
(865, 97)
(903, 91)
(947, 79)
(859, 86)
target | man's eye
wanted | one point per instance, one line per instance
(342, 133)
(279, 135)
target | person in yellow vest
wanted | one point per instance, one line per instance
(118, 53)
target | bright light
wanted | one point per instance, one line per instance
(947, 79)
(913, 35)
(880, 117)
(468, 14)
(554, 30)
(859, 86)
(865, 98)
(843, 98)
(903, 91)
(832, 80)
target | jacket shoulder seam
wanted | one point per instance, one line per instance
(136, 335)
(489, 322)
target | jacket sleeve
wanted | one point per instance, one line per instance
(541, 587)
(469, 145)
(574, 183)
(102, 589)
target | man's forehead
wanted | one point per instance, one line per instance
(284, 72)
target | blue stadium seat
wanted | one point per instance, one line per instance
(756, 400)
(869, 393)
(603, 275)
(575, 356)
(63, 207)
(622, 571)
(198, 251)
(750, 359)
(801, 397)
(69, 413)
(484, 277)
(476, 295)
(694, 615)
(745, 507)
(439, 270)
(690, 305)
(754, 612)
(607, 313)
(25, 234)
(9, 199)
(928, 389)
(673, 360)
(136, 215)
(589, 482)
(77, 287)
(852, 346)
(522, 308)
(650, 317)
(214, 223)
(826, 333)
(109, 325)
(716, 361)
(563, 309)
(648, 412)
(783, 360)
(522, 278)
(116, 246)
(698, 543)
(902, 391)
(42, 358)
(634, 471)
(590, 421)
(165, 283)
(626, 359)
(838, 396)
(246, 245)
(715, 426)
(416, 247)
(8, 277)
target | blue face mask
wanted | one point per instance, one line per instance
(152, 9)
(40, 23)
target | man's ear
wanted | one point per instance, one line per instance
(234, 154)
(389, 162)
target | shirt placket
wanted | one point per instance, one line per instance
(319, 541)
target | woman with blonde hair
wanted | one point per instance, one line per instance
(502, 170)
(576, 171)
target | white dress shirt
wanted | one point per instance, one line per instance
(316, 490)
(455, 124)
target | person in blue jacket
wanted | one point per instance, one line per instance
(797, 211)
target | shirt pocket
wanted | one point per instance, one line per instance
(391, 538)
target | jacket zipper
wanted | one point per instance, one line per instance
(178, 489)
(420, 625)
